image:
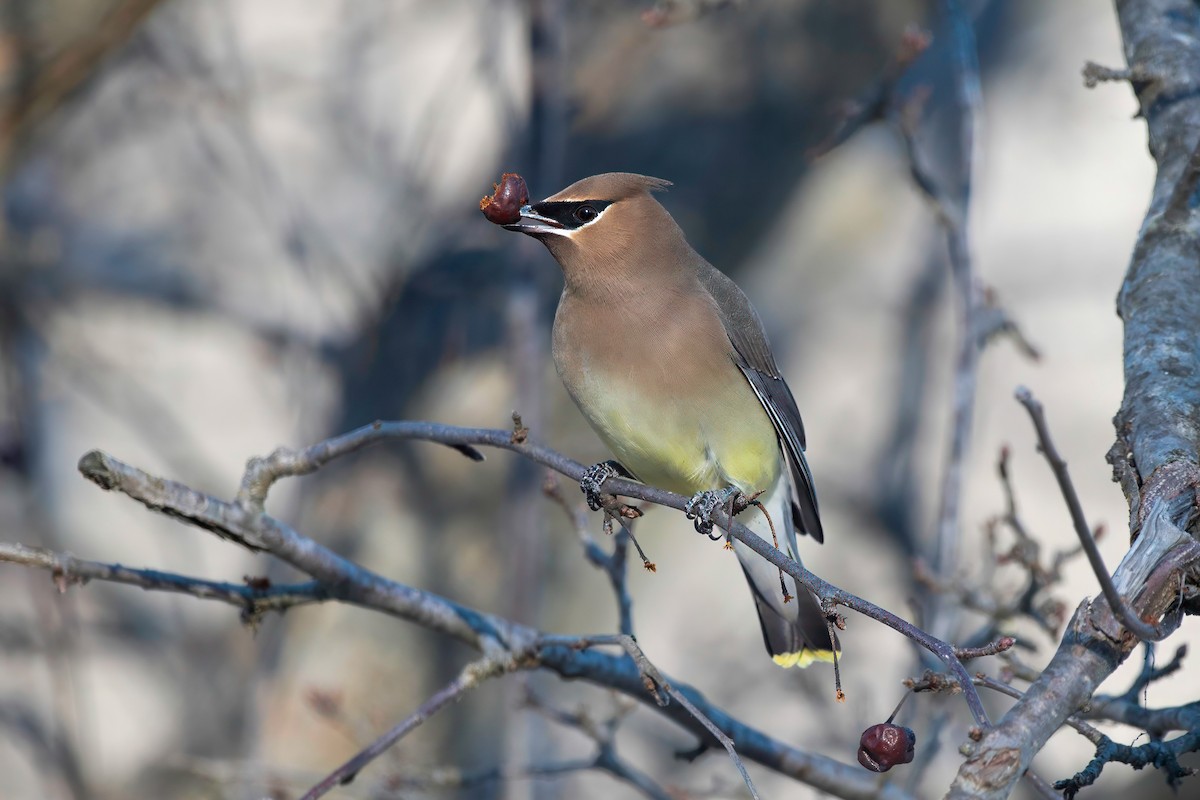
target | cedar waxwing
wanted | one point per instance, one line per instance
(670, 364)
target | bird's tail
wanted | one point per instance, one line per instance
(794, 629)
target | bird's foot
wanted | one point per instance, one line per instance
(594, 479)
(702, 505)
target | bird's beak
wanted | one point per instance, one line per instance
(533, 223)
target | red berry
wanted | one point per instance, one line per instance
(504, 206)
(885, 745)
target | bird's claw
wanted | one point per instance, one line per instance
(702, 505)
(594, 478)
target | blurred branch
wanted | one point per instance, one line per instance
(53, 752)
(666, 13)
(490, 666)
(606, 759)
(613, 565)
(983, 594)
(954, 214)
(255, 597)
(662, 690)
(51, 84)
(521, 647)
(897, 473)
(878, 102)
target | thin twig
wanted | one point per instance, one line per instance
(243, 521)
(253, 597)
(1038, 784)
(1087, 731)
(990, 649)
(932, 681)
(613, 565)
(1151, 673)
(1163, 755)
(658, 686)
(489, 633)
(876, 103)
(471, 676)
(1094, 74)
(1136, 626)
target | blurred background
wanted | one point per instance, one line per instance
(229, 226)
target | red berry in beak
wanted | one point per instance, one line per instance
(504, 206)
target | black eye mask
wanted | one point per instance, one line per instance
(572, 214)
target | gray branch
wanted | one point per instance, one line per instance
(503, 643)
(1155, 458)
(254, 599)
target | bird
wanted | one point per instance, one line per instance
(670, 364)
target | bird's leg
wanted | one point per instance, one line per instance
(774, 540)
(595, 477)
(702, 505)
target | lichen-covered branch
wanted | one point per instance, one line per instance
(1158, 424)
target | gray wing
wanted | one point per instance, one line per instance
(752, 354)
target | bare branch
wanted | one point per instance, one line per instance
(936, 682)
(1092, 647)
(244, 523)
(472, 675)
(1164, 755)
(351, 583)
(1159, 300)
(877, 102)
(1144, 631)
(657, 685)
(990, 649)
(252, 597)
(613, 565)
(1095, 74)
(1151, 673)
(956, 211)
(70, 69)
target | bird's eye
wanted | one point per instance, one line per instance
(586, 214)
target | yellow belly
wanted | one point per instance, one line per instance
(686, 444)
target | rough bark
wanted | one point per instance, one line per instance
(1156, 457)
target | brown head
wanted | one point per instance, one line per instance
(608, 229)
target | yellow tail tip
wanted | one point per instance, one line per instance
(802, 658)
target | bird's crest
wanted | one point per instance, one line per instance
(611, 186)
